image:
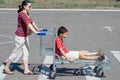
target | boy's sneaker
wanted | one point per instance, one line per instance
(101, 57)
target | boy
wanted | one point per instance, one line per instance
(61, 50)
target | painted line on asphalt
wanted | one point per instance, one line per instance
(108, 28)
(42, 77)
(92, 78)
(6, 36)
(6, 42)
(47, 62)
(116, 54)
(3, 75)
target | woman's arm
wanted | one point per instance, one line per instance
(35, 26)
(66, 57)
(32, 28)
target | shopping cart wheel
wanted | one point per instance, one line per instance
(96, 69)
(51, 67)
(77, 72)
(100, 73)
(52, 75)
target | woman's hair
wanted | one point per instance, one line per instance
(61, 30)
(21, 6)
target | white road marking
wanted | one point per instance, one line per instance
(47, 62)
(6, 36)
(92, 78)
(85, 14)
(116, 54)
(42, 77)
(108, 28)
(6, 42)
(2, 75)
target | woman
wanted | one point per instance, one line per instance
(25, 28)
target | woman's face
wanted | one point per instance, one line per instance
(28, 7)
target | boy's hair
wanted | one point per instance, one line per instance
(61, 30)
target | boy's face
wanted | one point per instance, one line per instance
(64, 35)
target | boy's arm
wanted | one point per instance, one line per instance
(66, 57)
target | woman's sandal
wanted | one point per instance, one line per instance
(29, 73)
(8, 72)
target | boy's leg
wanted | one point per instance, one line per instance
(86, 57)
(88, 53)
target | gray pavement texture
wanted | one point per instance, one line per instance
(86, 32)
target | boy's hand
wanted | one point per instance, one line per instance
(70, 60)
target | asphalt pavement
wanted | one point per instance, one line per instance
(88, 30)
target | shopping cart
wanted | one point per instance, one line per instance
(88, 67)
(47, 48)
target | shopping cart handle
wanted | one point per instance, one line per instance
(44, 29)
(41, 33)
